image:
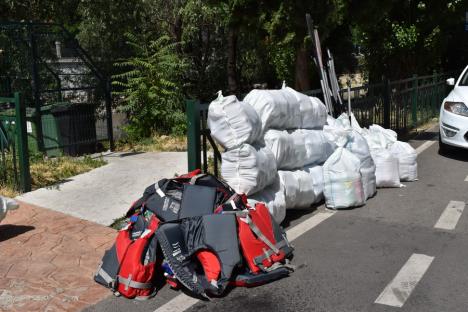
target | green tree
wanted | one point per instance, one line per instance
(285, 25)
(103, 25)
(410, 37)
(150, 87)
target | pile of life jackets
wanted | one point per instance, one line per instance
(194, 231)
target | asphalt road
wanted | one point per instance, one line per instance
(388, 251)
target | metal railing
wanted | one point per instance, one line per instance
(47, 65)
(399, 105)
(14, 157)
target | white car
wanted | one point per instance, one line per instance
(453, 121)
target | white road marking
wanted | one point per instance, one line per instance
(182, 302)
(466, 179)
(398, 291)
(308, 224)
(424, 146)
(449, 218)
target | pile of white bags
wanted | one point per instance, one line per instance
(276, 142)
(407, 164)
(342, 180)
(248, 169)
(387, 153)
(298, 148)
(302, 188)
(232, 122)
(273, 197)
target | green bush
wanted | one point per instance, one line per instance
(149, 88)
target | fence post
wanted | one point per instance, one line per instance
(22, 139)
(386, 103)
(110, 129)
(414, 102)
(193, 134)
(36, 88)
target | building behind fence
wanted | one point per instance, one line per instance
(65, 93)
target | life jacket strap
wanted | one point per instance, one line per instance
(159, 191)
(277, 265)
(268, 253)
(196, 177)
(105, 276)
(238, 211)
(128, 282)
(261, 236)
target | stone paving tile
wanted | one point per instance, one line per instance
(47, 260)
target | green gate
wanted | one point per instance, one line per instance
(14, 157)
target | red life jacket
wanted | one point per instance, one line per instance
(129, 267)
(263, 242)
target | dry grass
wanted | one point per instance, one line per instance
(46, 172)
(50, 171)
(156, 143)
(427, 125)
(8, 191)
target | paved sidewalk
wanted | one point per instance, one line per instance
(47, 260)
(106, 193)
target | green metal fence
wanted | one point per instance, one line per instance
(399, 105)
(14, 157)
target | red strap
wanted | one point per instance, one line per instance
(188, 175)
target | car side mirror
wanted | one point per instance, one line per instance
(450, 81)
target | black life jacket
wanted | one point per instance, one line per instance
(188, 195)
(202, 252)
(129, 267)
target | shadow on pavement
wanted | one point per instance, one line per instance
(427, 136)
(126, 154)
(294, 214)
(8, 231)
(57, 185)
(455, 154)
